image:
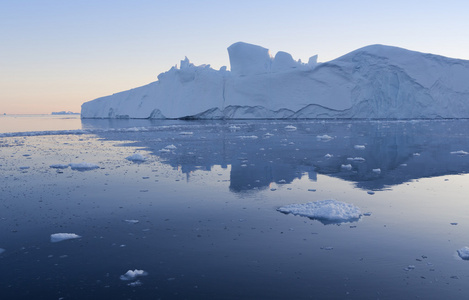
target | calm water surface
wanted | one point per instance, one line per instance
(206, 205)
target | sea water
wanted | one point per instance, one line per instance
(198, 216)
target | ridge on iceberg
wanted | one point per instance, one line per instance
(376, 81)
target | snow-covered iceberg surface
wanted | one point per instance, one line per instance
(325, 211)
(372, 82)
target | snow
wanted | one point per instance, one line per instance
(464, 253)
(376, 81)
(326, 211)
(136, 157)
(130, 275)
(83, 166)
(58, 237)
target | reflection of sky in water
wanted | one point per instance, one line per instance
(207, 211)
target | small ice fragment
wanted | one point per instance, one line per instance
(346, 167)
(83, 166)
(377, 171)
(409, 268)
(248, 137)
(367, 214)
(328, 248)
(460, 152)
(403, 165)
(59, 166)
(164, 150)
(360, 159)
(186, 133)
(311, 190)
(268, 134)
(234, 127)
(136, 157)
(290, 128)
(328, 155)
(371, 193)
(24, 168)
(58, 237)
(171, 147)
(324, 137)
(133, 274)
(359, 147)
(464, 253)
(135, 283)
(131, 221)
(326, 211)
(454, 223)
(416, 154)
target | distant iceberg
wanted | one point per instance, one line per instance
(376, 81)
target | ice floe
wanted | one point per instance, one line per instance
(58, 237)
(464, 253)
(83, 166)
(324, 137)
(325, 211)
(290, 128)
(131, 221)
(377, 171)
(136, 157)
(359, 147)
(171, 147)
(130, 275)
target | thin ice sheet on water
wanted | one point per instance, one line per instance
(325, 211)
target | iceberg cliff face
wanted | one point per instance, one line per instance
(372, 82)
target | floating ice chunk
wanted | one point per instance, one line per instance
(171, 147)
(59, 166)
(359, 147)
(234, 127)
(186, 133)
(328, 155)
(58, 237)
(409, 268)
(133, 274)
(464, 253)
(325, 211)
(324, 137)
(290, 128)
(83, 166)
(460, 152)
(132, 221)
(377, 171)
(136, 157)
(416, 154)
(24, 168)
(135, 283)
(346, 167)
(359, 159)
(248, 137)
(164, 150)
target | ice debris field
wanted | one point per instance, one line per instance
(376, 81)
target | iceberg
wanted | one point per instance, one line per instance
(129, 275)
(375, 82)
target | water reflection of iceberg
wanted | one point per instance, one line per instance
(263, 152)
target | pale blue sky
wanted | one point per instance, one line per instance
(55, 55)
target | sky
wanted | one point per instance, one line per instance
(55, 55)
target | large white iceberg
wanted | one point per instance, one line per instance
(372, 82)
